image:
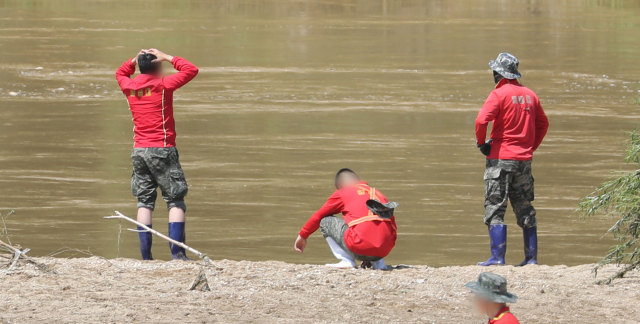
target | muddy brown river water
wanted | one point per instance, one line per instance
(291, 91)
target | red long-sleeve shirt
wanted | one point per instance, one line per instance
(370, 238)
(519, 123)
(150, 100)
(504, 316)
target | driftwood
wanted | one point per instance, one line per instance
(10, 247)
(119, 215)
(19, 253)
(200, 282)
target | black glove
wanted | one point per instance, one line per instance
(486, 147)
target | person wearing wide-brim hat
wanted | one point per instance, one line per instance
(519, 125)
(491, 298)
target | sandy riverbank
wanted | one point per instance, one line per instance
(92, 290)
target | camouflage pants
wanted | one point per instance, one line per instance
(335, 227)
(155, 167)
(509, 180)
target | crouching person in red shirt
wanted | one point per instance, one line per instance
(156, 162)
(491, 298)
(367, 230)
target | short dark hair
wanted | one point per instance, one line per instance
(343, 170)
(497, 77)
(146, 64)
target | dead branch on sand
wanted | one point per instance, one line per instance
(200, 283)
(119, 215)
(19, 253)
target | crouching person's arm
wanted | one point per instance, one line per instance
(333, 205)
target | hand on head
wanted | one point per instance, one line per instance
(134, 61)
(161, 57)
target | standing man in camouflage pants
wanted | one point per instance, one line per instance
(156, 162)
(519, 125)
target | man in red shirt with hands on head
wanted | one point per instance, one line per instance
(156, 162)
(367, 231)
(519, 126)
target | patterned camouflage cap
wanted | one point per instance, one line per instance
(506, 65)
(492, 287)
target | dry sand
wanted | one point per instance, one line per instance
(93, 290)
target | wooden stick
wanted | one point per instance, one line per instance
(10, 247)
(15, 260)
(152, 231)
(17, 253)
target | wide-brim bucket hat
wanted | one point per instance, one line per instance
(492, 287)
(506, 65)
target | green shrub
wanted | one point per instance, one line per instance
(620, 198)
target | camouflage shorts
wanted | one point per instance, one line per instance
(335, 227)
(155, 167)
(509, 180)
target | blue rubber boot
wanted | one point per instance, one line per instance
(146, 239)
(176, 232)
(530, 246)
(498, 236)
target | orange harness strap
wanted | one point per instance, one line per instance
(367, 219)
(370, 216)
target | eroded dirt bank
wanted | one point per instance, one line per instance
(92, 290)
